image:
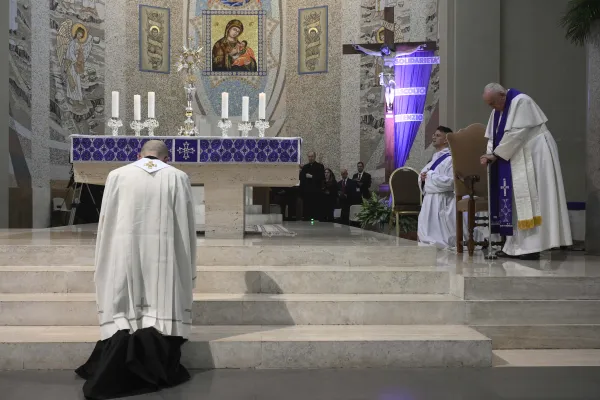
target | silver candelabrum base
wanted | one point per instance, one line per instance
(262, 125)
(225, 125)
(137, 127)
(115, 124)
(151, 124)
(245, 127)
(189, 127)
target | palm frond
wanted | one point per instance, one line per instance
(579, 19)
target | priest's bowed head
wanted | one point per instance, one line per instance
(494, 96)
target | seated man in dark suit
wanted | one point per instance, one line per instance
(349, 193)
(363, 180)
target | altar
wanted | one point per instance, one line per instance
(223, 166)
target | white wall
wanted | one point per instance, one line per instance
(521, 44)
(538, 60)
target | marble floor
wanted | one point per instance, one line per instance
(401, 384)
(332, 296)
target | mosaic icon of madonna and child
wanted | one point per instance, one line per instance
(232, 52)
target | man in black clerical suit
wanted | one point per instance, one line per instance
(363, 180)
(312, 178)
(349, 195)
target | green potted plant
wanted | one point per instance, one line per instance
(376, 212)
(580, 20)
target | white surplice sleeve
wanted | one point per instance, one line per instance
(441, 179)
(524, 115)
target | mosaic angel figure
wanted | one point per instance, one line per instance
(73, 47)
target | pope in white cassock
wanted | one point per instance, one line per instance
(527, 194)
(437, 219)
(145, 274)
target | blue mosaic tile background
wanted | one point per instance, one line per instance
(189, 150)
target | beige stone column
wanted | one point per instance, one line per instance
(592, 214)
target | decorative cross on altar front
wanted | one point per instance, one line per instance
(186, 150)
(504, 187)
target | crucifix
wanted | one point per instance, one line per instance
(387, 49)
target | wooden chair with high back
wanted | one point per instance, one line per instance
(406, 194)
(470, 181)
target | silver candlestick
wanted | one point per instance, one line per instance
(151, 124)
(137, 127)
(114, 124)
(245, 127)
(224, 125)
(262, 125)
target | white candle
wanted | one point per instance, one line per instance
(151, 104)
(262, 106)
(137, 107)
(245, 108)
(115, 105)
(225, 105)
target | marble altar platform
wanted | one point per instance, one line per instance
(333, 296)
(225, 167)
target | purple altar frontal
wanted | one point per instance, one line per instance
(186, 150)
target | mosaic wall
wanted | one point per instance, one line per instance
(259, 67)
(59, 83)
(20, 92)
(77, 67)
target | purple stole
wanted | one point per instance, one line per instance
(501, 176)
(439, 161)
(435, 165)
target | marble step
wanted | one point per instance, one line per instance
(263, 219)
(254, 209)
(532, 312)
(551, 336)
(266, 347)
(547, 358)
(74, 309)
(272, 280)
(249, 209)
(532, 288)
(284, 251)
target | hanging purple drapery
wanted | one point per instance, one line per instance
(413, 73)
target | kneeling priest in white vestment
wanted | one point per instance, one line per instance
(527, 194)
(145, 272)
(437, 219)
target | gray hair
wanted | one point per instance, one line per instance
(494, 88)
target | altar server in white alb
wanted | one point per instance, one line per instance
(145, 275)
(437, 219)
(527, 194)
